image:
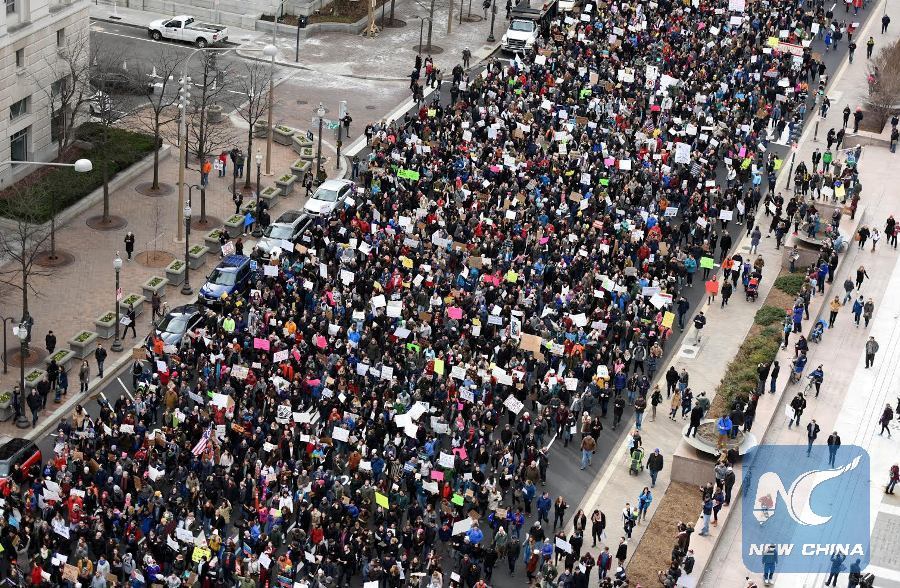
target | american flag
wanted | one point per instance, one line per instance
(203, 443)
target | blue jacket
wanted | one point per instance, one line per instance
(543, 503)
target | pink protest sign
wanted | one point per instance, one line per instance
(321, 342)
(296, 354)
(454, 312)
(461, 452)
(260, 343)
(437, 475)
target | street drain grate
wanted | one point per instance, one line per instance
(370, 107)
(302, 102)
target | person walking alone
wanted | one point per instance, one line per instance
(588, 445)
(834, 307)
(893, 478)
(887, 415)
(871, 350)
(834, 443)
(870, 46)
(812, 433)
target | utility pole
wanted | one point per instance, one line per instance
(342, 112)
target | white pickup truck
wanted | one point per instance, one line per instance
(185, 28)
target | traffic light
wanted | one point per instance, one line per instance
(302, 21)
(184, 93)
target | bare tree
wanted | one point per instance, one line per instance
(884, 83)
(158, 80)
(71, 88)
(22, 245)
(255, 90)
(110, 74)
(207, 137)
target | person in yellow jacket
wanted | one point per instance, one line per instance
(834, 306)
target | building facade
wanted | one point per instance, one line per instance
(37, 40)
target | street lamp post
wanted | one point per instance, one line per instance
(117, 265)
(257, 231)
(491, 38)
(21, 331)
(186, 287)
(320, 112)
(5, 364)
(271, 132)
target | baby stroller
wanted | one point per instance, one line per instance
(637, 461)
(818, 330)
(752, 290)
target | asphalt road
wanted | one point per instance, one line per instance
(564, 476)
(139, 54)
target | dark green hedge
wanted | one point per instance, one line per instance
(123, 149)
(768, 315)
(790, 283)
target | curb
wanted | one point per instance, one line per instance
(293, 65)
(61, 410)
(226, 45)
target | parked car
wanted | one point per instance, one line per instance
(328, 196)
(177, 322)
(279, 231)
(186, 28)
(231, 276)
(17, 458)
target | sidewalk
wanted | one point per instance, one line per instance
(71, 297)
(726, 330)
(852, 397)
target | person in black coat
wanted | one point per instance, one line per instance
(129, 244)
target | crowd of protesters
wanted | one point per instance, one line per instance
(377, 408)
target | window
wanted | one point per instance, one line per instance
(17, 109)
(18, 145)
(59, 86)
(20, 57)
(10, 6)
(61, 37)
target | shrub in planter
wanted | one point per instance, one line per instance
(62, 357)
(307, 153)
(33, 377)
(5, 400)
(132, 300)
(299, 142)
(270, 193)
(212, 238)
(286, 183)
(261, 130)
(84, 343)
(175, 272)
(106, 325)
(300, 167)
(282, 135)
(235, 221)
(197, 255)
(155, 285)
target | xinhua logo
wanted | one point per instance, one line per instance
(804, 512)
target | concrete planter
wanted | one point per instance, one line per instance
(214, 113)
(299, 142)
(300, 167)
(197, 256)
(33, 376)
(212, 238)
(62, 357)
(135, 300)
(83, 344)
(307, 153)
(105, 325)
(283, 135)
(175, 272)
(270, 194)
(249, 206)
(286, 184)
(234, 224)
(261, 130)
(155, 285)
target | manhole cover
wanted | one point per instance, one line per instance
(301, 102)
(370, 107)
(689, 351)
